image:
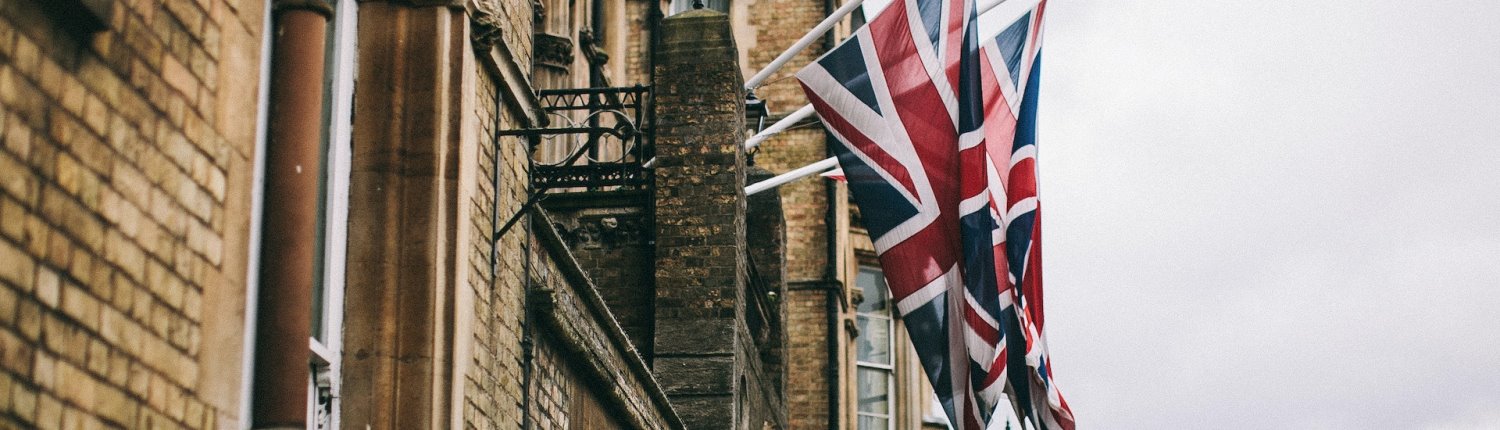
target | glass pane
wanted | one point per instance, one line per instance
(876, 296)
(680, 6)
(867, 422)
(874, 340)
(874, 390)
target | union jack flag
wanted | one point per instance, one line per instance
(1010, 72)
(930, 133)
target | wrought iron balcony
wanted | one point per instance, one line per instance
(605, 137)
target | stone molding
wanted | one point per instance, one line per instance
(498, 60)
(552, 50)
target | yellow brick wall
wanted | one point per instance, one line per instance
(493, 391)
(124, 175)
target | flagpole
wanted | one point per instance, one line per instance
(817, 31)
(779, 126)
(806, 110)
(818, 167)
(807, 39)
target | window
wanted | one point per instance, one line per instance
(680, 6)
(875, 363)
(326, 344)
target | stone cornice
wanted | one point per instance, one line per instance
(496, 57)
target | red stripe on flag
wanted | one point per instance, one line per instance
(927, 255)
(1022, 183)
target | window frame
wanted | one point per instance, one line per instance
(888, 370)
(325, 354)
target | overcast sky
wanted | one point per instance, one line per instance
(1273, 214)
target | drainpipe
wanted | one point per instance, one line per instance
(835, 296)
(288, 241)
(830, 272)
(653, 22)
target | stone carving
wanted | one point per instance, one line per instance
(485, 28)
(553, 51)
(606, 232)
(590, 46)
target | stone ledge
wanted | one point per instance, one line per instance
(586, 327)
(514, 87)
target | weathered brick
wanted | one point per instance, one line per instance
(78, 304)
(8, 300)
(29, 320)
(98, 361)
(79, 387)
(178, 76)
(15, 352)
(18, 268)
(17, 136)
(49, 412)
(28, 56)
(125, 255)
(44, 369)
(37, 235)
(96, 116)
(131, 183)
(15, 181)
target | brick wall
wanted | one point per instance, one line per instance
(492, 394)
(124, 210)
(542, 352)
(613, 245)
(700, 231)
(765, 231)
(775, 25)
(807, 391)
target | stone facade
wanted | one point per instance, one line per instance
(128, 213)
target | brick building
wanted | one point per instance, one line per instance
(324, 213)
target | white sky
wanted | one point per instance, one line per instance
(1272, 214)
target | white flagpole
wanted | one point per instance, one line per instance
(817, 31)
(779, 126)
(807, 110)
(818, 167)
(807, 39)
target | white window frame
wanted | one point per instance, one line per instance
(679, 6)
(326, 355)
(887, 369)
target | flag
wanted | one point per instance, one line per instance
(936, 138)
(1010, 74)
(836, 174)
(902, 97)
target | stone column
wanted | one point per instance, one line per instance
(700, 213)
(413, 166)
